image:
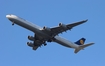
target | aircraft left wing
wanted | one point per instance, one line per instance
(37, 42)
(62, 27)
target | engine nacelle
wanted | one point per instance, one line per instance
(30, 44)
(31, 38)
(63, 25)
(47, 28)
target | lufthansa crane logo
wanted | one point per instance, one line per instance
(82, 42)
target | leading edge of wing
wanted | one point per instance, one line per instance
(58, 29)
(70, 26)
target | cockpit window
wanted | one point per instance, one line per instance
(21, 18)
(10, 14)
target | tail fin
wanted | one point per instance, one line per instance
(80, 41)
(82, 47)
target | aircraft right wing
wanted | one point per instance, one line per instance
(62, 27)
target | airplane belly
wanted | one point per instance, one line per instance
(32, 27)
(26, 25)
(64, 42)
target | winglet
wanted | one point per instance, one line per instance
(85, 20)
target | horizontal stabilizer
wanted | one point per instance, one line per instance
(82, 47)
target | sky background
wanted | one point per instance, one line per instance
(15, 52)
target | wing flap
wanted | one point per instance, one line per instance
(70, 26)
(57, 30)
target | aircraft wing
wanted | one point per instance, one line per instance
(35, 47)
(38, 42)
(61, 28)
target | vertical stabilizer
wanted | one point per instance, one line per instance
(80, 41)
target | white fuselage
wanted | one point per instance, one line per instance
(65, 42)
(37, 30)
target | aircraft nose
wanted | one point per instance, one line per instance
(7, 16)
(11, 16)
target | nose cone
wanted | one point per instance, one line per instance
(7, 16)
(11, 16)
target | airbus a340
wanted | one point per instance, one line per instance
(46, 34)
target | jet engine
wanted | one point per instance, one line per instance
(30, 44)
(63, 25)
(31, 38)
(47, 28)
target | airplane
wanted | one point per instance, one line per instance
(47, 34)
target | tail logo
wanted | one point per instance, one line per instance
(82, 42)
